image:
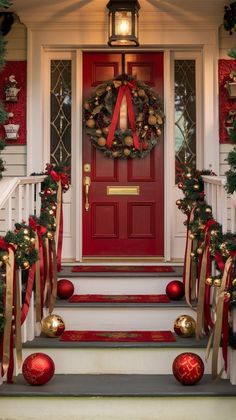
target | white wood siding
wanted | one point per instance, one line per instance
(17, 42)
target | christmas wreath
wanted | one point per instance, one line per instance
(144, 118)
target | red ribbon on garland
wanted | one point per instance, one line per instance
(62, 180)
(124, 89)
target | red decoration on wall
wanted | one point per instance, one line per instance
(226, 104)
(19, 70)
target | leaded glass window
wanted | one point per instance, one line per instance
(60, 119)
(185, 114)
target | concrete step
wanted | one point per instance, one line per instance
(118, 397)
(116, 283)
(115, 358)
(121, 317)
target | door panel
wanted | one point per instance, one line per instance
(123, 225)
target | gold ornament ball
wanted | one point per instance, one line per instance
(115, 154)
(196, 187)
(178, 202)
(32, 240)
(98, 132)
(101, 141)
(26, 265)
(191, 236)
(159, 119)
(126, 152)
(188, 175)
(199, 251)
(227, 295)
(51, 212)
(49, 235)
(152, 120)
(54, 207)
(209, 281)
(128, 140)
(192, 254)
(158, 132)
(26, 238)
(26, 231)
(208, 210)
(105, 130)
(141, 92)
(53, 325)
(234, 282)
(90, 123)
(185, 326)
(5, 258)
(217, 282)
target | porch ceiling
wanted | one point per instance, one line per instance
(174, 10)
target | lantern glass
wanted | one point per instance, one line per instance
(123, 23)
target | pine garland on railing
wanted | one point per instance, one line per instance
(35, 248)
(3, 113)
(206, 244)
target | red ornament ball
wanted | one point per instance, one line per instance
(188, 368)
(65, 289)
(38, 369)
(175, 290)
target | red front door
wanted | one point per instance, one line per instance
(123, 225)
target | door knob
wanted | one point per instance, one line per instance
(87, 183)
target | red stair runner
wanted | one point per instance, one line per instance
(119, 299)
(119, 336)
(122, 269)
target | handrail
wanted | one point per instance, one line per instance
(8, 185)
(215, 180)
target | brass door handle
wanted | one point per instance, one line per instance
(87, 183)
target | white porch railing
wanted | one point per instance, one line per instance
(19, 198)
(224, 212)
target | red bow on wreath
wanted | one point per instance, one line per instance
(124, 89)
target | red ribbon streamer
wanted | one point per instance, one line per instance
(123, 90)
(28, 294)
(225, 331)
(60, 239)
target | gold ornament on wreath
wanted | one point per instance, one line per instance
(143, 122)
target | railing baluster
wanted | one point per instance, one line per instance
(38, 198)
(9, 214)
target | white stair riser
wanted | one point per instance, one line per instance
(117, 319)
(116, 361)
(121, 285)
(125, 408)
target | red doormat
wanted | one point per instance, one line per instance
(119, 299)
(120, 336)
(122, 269)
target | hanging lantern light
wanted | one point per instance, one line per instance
(123, 23)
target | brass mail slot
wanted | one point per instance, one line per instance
(122, 190)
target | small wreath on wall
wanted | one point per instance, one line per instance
(142, 113)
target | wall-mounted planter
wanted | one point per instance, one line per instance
(231, 88)
(12, 131)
